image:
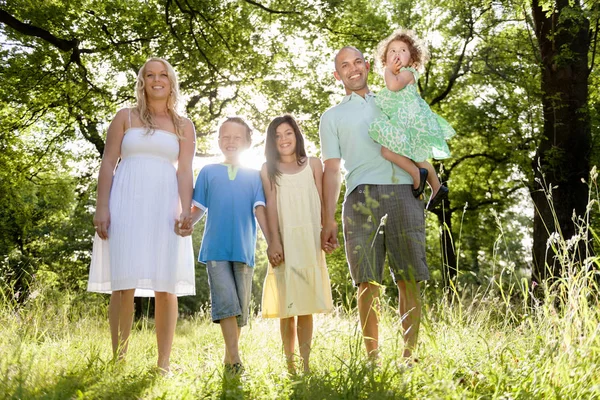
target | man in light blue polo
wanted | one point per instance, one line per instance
(380, 216)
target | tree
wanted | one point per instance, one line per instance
(562, 159)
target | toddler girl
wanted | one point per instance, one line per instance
(408, 130)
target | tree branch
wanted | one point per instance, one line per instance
(270, 10)
(456, 72)
(31, 30)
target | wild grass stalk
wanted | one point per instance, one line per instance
(499, 341)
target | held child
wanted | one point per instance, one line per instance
(408, 130)
(233, 196)
(297, 282)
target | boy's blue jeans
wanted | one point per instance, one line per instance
(230, 290)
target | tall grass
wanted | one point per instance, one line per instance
(499, 342)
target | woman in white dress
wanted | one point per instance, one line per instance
(140, 206)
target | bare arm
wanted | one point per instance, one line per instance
(396, 82)
(332, 184)
(317, 168)
(275, 245)
(112, 152)
(261, 217)
(196, 215)
(187, 149)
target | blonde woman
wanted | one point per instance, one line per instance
(140, 205)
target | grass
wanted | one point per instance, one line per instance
(59, 349)
(498, 342)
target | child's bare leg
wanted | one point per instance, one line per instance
(403, 162)
(287, 326)
(231, 335)
(165, 316)
(305, 332)
(432, 178)
(120, 318)
(226, 360)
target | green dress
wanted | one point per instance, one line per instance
(408, 127)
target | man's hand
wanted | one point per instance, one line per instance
(329, 240)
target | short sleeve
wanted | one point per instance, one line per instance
(411, 69)
(330, 142)
(259, 193)
(199, 198)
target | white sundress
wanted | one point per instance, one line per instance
(142, 251)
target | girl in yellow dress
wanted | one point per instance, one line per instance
(297, 281)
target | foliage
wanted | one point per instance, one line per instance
(67, 67)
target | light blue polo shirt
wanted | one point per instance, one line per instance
(229, 195)
(344, 133)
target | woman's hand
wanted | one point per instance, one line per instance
(275, 254)
(181, 231)
(185, 220)
(102, 222)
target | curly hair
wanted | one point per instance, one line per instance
(418, 49)
(172, 102)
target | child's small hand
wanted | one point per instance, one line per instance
(396, 65)
(275, 254)
(185, 219)
(183, 231)
(329, 248)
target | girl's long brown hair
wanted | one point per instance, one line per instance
(271, 152)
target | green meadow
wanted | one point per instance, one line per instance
(493, 344)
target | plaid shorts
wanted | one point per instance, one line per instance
(382, 220)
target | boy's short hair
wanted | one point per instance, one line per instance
(241, 121)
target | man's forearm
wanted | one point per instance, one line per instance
(332, 183)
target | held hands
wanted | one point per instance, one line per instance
(102, 222)
(275, 254)
(183, 225)
(329, 241)
(181, 231)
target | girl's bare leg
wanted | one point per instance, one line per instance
(120, 318)
(405, 163)
(305, 332)
(287, 326)
(432, 178)
(165, 317)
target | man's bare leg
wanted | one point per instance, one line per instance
(368, 301)
(409, 305)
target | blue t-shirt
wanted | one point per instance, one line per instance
(230, 229)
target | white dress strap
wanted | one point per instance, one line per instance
(129, 118)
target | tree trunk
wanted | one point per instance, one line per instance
(450, 268)
(562, 157)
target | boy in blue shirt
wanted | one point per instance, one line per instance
(232, 196)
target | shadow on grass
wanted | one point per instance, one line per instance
(91, 381)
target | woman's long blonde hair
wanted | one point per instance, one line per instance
(172, 101)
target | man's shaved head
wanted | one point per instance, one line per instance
(344, 49)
